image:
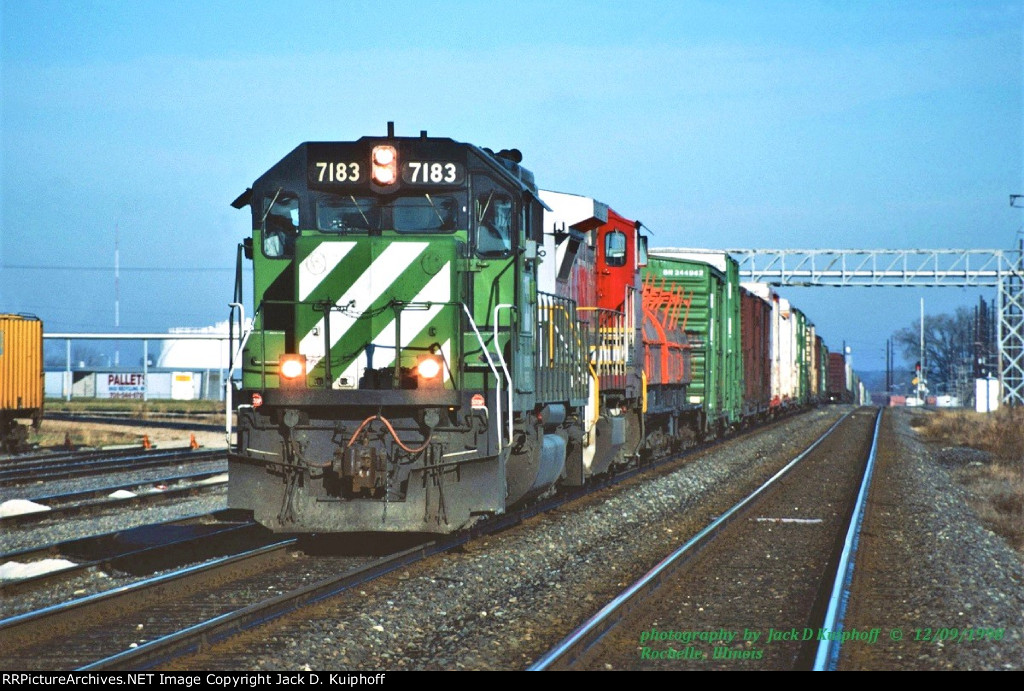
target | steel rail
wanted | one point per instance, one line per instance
(200, 635)
(136, 558)
(97, 465)
(100, 492)
(114, 419)
(203, 634)
(93, 607)
(43, 461)
(77, 544)
(827, 656)
(62, 454)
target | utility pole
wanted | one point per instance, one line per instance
(888, 366)
(920, 376)
(117, 292)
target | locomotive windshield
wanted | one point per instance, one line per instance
(347, 215)
(420, 213)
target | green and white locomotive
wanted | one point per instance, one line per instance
(402, 373)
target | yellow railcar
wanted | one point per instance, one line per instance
(21, 377)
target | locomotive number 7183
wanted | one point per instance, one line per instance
(431, 172)
(337, 172)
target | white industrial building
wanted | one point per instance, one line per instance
(196, 354)
(187, 368)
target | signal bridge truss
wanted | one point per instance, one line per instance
(838, 268)
(1002, 269)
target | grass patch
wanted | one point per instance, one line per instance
(134, 407)
(997, 485)
(1000, 433)
(83, 437)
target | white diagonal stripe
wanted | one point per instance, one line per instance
(439, 290)
(318, 265)
(366, 289)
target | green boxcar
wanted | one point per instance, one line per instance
(822, 369)
(802, 357)
(711, 281)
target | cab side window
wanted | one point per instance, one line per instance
(615, 248)
(281, 226)
(494, 219)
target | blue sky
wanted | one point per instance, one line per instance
(719, 125)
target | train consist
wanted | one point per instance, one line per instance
(436, 340)
(21, 378)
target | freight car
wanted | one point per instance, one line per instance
(435, 340)
(821, 357)
(21, 378)
(755, 329)
(842, 385)
(711, 279)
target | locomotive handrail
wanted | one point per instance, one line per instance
(564, 347)
(326, 307)
(501, 359)
(561, 369)
(242, 340)
(494, 370)
(568, 320)
(612, 352)
(400, 307)
(589, 425)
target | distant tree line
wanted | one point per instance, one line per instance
(958, 347)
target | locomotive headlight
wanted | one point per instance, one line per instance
(428, 368)
(385, 164)
(384, 155)
(292, 367)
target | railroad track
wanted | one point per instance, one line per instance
(150, 617)
(190, 609)
(142, 550)
(102, 498)
(752, 589)
(61, 455)
(21, 470)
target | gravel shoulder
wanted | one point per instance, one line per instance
(927, 563)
